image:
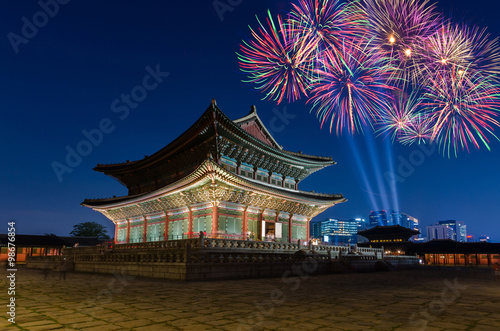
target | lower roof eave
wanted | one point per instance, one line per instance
(209, 171)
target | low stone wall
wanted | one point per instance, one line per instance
(210, 259)
(211, 271)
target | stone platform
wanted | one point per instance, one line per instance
(423, 299)
(212, 259)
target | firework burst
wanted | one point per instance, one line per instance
(485, 52)
(418, 130)
(328, 24)
(277, 60)
(447, 48)
(397, 27)
(461, 108)
(353, 94)
(398, 118)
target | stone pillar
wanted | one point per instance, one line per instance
(128, 231)
(190, 223)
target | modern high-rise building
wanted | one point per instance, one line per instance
(339, 232)
(398, 218)
(315, 229)
(439, 232)
(379, 218)
(362, 223)
(459, 229)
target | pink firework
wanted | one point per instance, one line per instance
(328, 24)
(447, 48)
(354, 93)
(398, 118)
(397, 27)
(417, 131)
(462, 107)
(277, 61)
(485, 52)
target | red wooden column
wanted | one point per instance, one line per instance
(259, 226)
(245, 223)
(165, 234)
(307, 228)
(116, 233)
(145, 230)
(190, 223)
(215, 218)
(290, 228)
(489, 259)
(128, 231)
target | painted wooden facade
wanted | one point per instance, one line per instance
(227, 179)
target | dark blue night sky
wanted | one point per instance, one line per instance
(69, 76)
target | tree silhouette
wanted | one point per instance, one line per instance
(89, 229)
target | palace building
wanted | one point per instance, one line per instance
(225, 178)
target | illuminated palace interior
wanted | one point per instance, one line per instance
(228, 179)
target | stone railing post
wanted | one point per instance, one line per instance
(202, 240)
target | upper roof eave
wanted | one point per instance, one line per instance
(208, 115)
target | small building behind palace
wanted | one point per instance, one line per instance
(445, 252)
(395, 239)
(37, 245)
(224, 178)
(448, 252)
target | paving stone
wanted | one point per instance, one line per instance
(377, 301)
(53, 326)
(134, 323)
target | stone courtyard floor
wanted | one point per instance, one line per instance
(425, 299)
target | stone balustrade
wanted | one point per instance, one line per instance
(217, 244)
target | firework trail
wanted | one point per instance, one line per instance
(448, 48)
(461, 106)
(398, 118)
(277, 61)
(397, 27)
(485, 52)
(355, 93)
(418, 130)
(328, 24)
